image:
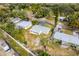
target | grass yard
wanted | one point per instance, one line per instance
(1, 36)
(16, 47)
(67, 31)
(48, 25)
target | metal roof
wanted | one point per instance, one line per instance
(15, 20)
(66, 38)
(40, 29)
(24, 24)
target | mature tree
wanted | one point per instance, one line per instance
(55, 10)
(65, 9)
(3, 13)
(74, 21)
(39, 10)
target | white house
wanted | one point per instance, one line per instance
(15, 20)
(65, 38)
(23, 25)
(38, 29)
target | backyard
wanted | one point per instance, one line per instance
(45, 44)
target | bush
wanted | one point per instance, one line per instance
(35, 22)
(42, 53)
(57, 41)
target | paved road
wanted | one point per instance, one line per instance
(19, 43)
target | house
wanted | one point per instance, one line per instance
(15, 20)
(38, 29)
(66, 39)
(23, 25)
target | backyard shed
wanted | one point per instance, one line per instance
(61, 18)
(23, 25)
(15, 20)
(38, 29)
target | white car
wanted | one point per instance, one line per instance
(4, 45)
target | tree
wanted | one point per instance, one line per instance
(55, 10)
(3, 13)
(39, 10)
(73, 23)
(42, 53)
(43, 12)
(65, 9)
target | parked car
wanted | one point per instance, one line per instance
(4, 45)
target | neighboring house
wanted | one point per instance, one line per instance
(38, 29)
(4, 45)
(66, 39)
(23, 25)
(15, 20)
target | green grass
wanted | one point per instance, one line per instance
(1, 36)
(34, 22)
(17, 34)
(42, 53)
(47, 25)
(16, 47)
(67, 31)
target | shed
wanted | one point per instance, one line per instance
(38, 29)
(61, 18)
(15, 20)
(23, 24)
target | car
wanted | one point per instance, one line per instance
(4, 45)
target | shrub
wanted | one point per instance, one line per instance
(42, 53)
(35, 22)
